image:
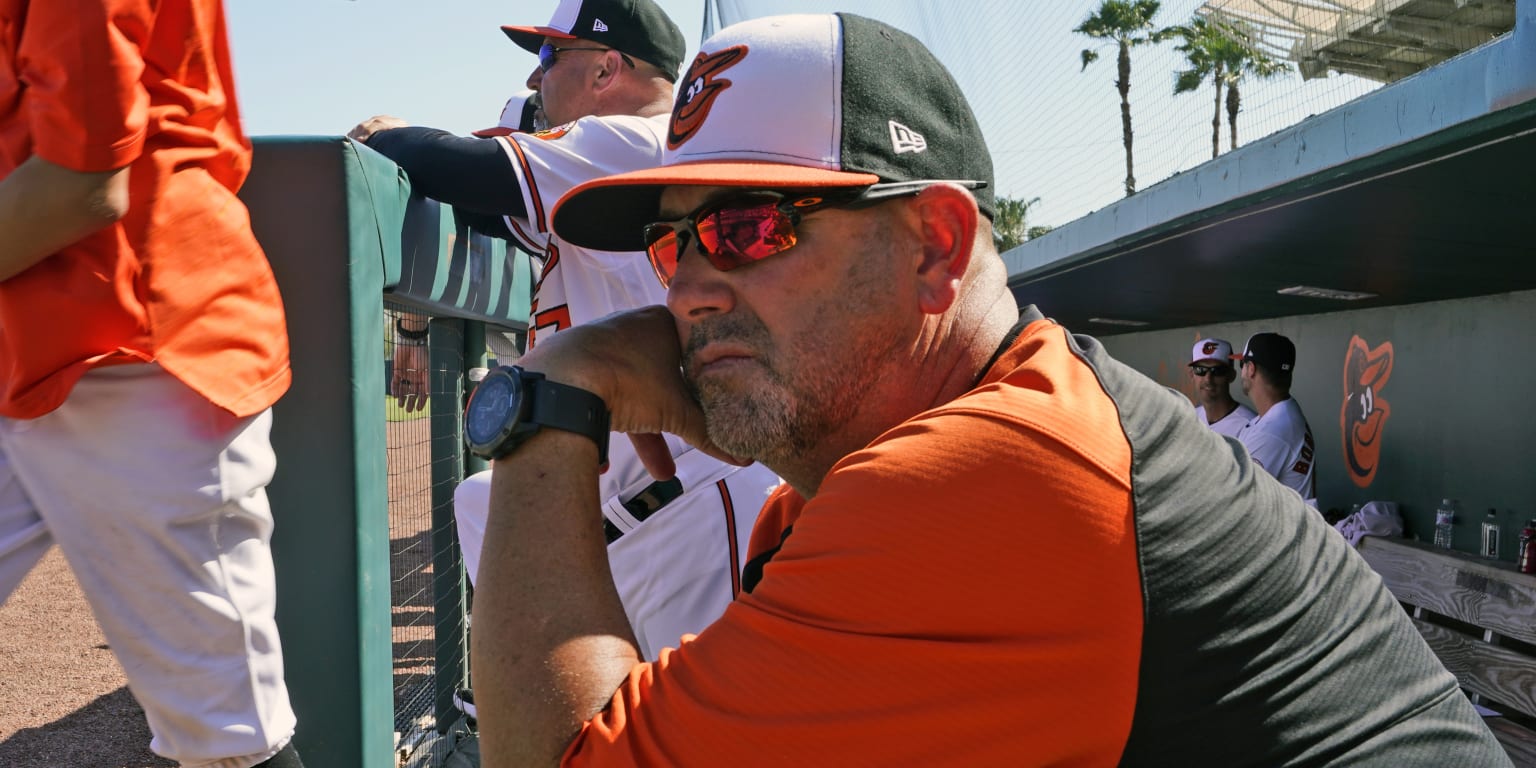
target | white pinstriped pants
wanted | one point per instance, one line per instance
(158, 501)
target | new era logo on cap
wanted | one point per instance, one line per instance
(904, 139)
(599, 26)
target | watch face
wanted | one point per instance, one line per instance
(490, 411)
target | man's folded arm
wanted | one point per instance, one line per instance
(45, 207)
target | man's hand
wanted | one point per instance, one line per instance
(631, 360)
(410, 385)
(372, 125)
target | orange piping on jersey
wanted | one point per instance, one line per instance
(523, 237)
(533, 188)
(730, 536)
(551, 260)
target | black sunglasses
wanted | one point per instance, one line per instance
(547, 54)
(1206, 370)
(753, 226)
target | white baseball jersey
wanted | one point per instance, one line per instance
(678, 569)
(579, 285)
(1281, 442)
(1230, 424)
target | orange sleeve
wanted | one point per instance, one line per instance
(81, 63)
(963, 592)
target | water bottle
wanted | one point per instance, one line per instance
(1491, 535)
(1445, 516)
(1527, 551)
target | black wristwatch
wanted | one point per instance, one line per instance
(510, 405)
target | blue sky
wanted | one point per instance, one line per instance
(321, 66)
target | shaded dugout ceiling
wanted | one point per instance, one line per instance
(1380, 39)
(1421, 191)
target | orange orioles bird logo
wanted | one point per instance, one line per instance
(555, 132)
(1364, 414)
(1209, 348)
(699, 91)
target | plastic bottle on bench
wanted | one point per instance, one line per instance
(1491, 535)
(1445, 517)
(1527, 552)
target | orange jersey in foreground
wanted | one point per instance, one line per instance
(1059, 567)
(922, 607)
(95, 85)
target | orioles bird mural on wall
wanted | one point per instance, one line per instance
(1363, 416)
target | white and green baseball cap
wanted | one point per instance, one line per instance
(795, 102)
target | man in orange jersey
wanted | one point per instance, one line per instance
(998, 546)
(142, 344)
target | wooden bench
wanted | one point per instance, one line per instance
(1479, 616)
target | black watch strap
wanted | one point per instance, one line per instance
(568, 408)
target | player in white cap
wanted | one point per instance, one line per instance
(605, 76)
(1210, 367)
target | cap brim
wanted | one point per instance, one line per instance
(609, 214)
(493, 131)
(530, 38)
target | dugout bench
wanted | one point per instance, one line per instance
(1479, 617)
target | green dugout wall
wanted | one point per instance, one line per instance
(343, 232)
(1451, 380)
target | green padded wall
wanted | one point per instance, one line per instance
(1450, 378)
(341, 229)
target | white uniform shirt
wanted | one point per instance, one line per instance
(1230, 424)
(579, 285)
(677, 570)
(1281, 442)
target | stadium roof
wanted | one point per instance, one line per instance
(1418, 191)
(1382, 40)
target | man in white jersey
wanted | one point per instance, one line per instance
(1278, 439)
(605, 77)
(1210, 367)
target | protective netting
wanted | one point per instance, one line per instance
(409, 452)
(1054, 125)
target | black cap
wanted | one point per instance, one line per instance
(1269, 351)
(639, 28)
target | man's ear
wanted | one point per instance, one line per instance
(609, 65)
(948, 221)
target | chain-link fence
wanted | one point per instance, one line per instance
(409, 452)
(423, 367)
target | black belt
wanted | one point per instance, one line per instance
(645, 503)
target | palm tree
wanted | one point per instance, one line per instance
(1205, 48)
(1010, 226)
(1126, 23)
(1246, 60)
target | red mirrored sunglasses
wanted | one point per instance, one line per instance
(751, 227)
